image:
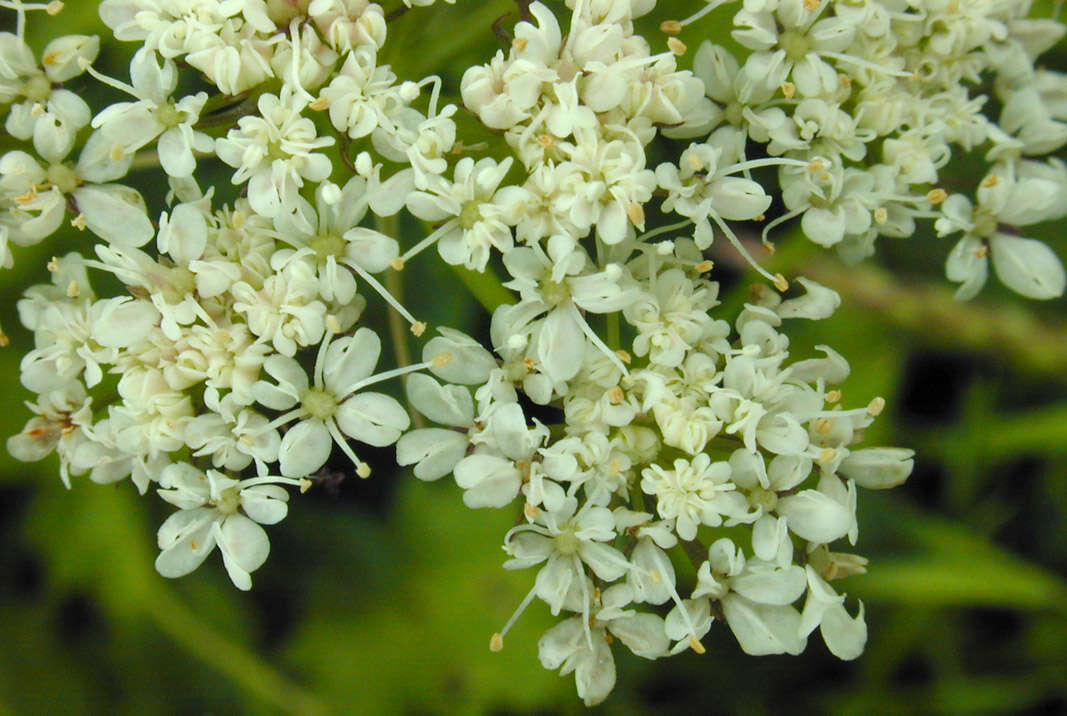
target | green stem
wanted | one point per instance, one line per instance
(242, 666)
(486, 287)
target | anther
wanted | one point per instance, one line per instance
(696, 646)
(936, 196)
(519, 43)
(982, 251)
(531, 511)
(990, 181)
(397, 264)
(789, 89)
(676, 46)
(305, 485)
(418, 328)
(615, 395)
(320, 104)
(54, 8)
(780, 283)
(704, 266)
(881, 216)
(441, 360)
(636, 213)
(363, 470)
(623, 356)
(876, 406)
(496, 642)
(79, 222)
(833, 396)
(671, 27)
(4, 340)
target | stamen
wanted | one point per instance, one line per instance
(383, 292)
(496, 643)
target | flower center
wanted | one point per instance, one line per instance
(470, 214)
(794, 44)
(62, 177)
(319, 404)
(229, 500)
(767, 499)
(567, 543)
(169, 116)
(326, 246)
(37, 88)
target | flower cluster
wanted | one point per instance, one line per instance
(238, 360)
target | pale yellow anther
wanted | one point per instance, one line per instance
(73, 289)
(363, 470)
(332, 324)
(780, 283)
(768, 247)
(53, 264)
(397, 264)
(789, 89)
(704, 266)
(596, 594)
(418, 328)
(826, 456)
(671, 27)
(49, 58)
(636, 213)
(623, 356)
(881, 216)
(441, 360)
(876, 406)
(833, 396)
(193, 544)
(990, 181)
(812, 5)
(694, 161)
(4, 340)
(117, 152)
(676, 46)
(845, 80)
(531, 511)
(982, 251)
(696, 646)
(519, 43)
(823, 426)
(305, 485)
(614, 466)
(615, 395)
(28, 196)
(936, 196)
(320, 103)
(54, 8)
(496, 642)
(816, 165)
(37, 110)
(546, 140)
(79, 222)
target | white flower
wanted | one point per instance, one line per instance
(689, 493)
(275, 151)
(211, 507)
(332, 407)
(132, 125)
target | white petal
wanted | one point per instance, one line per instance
(244, 546)
(763, 629)
(372, 418)
(304, 449)
(1027, 266)
(815, 516)
(266, 504)
(435, 450)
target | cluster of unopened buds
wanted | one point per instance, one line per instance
(235, 363)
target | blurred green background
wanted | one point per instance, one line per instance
(380, 595)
